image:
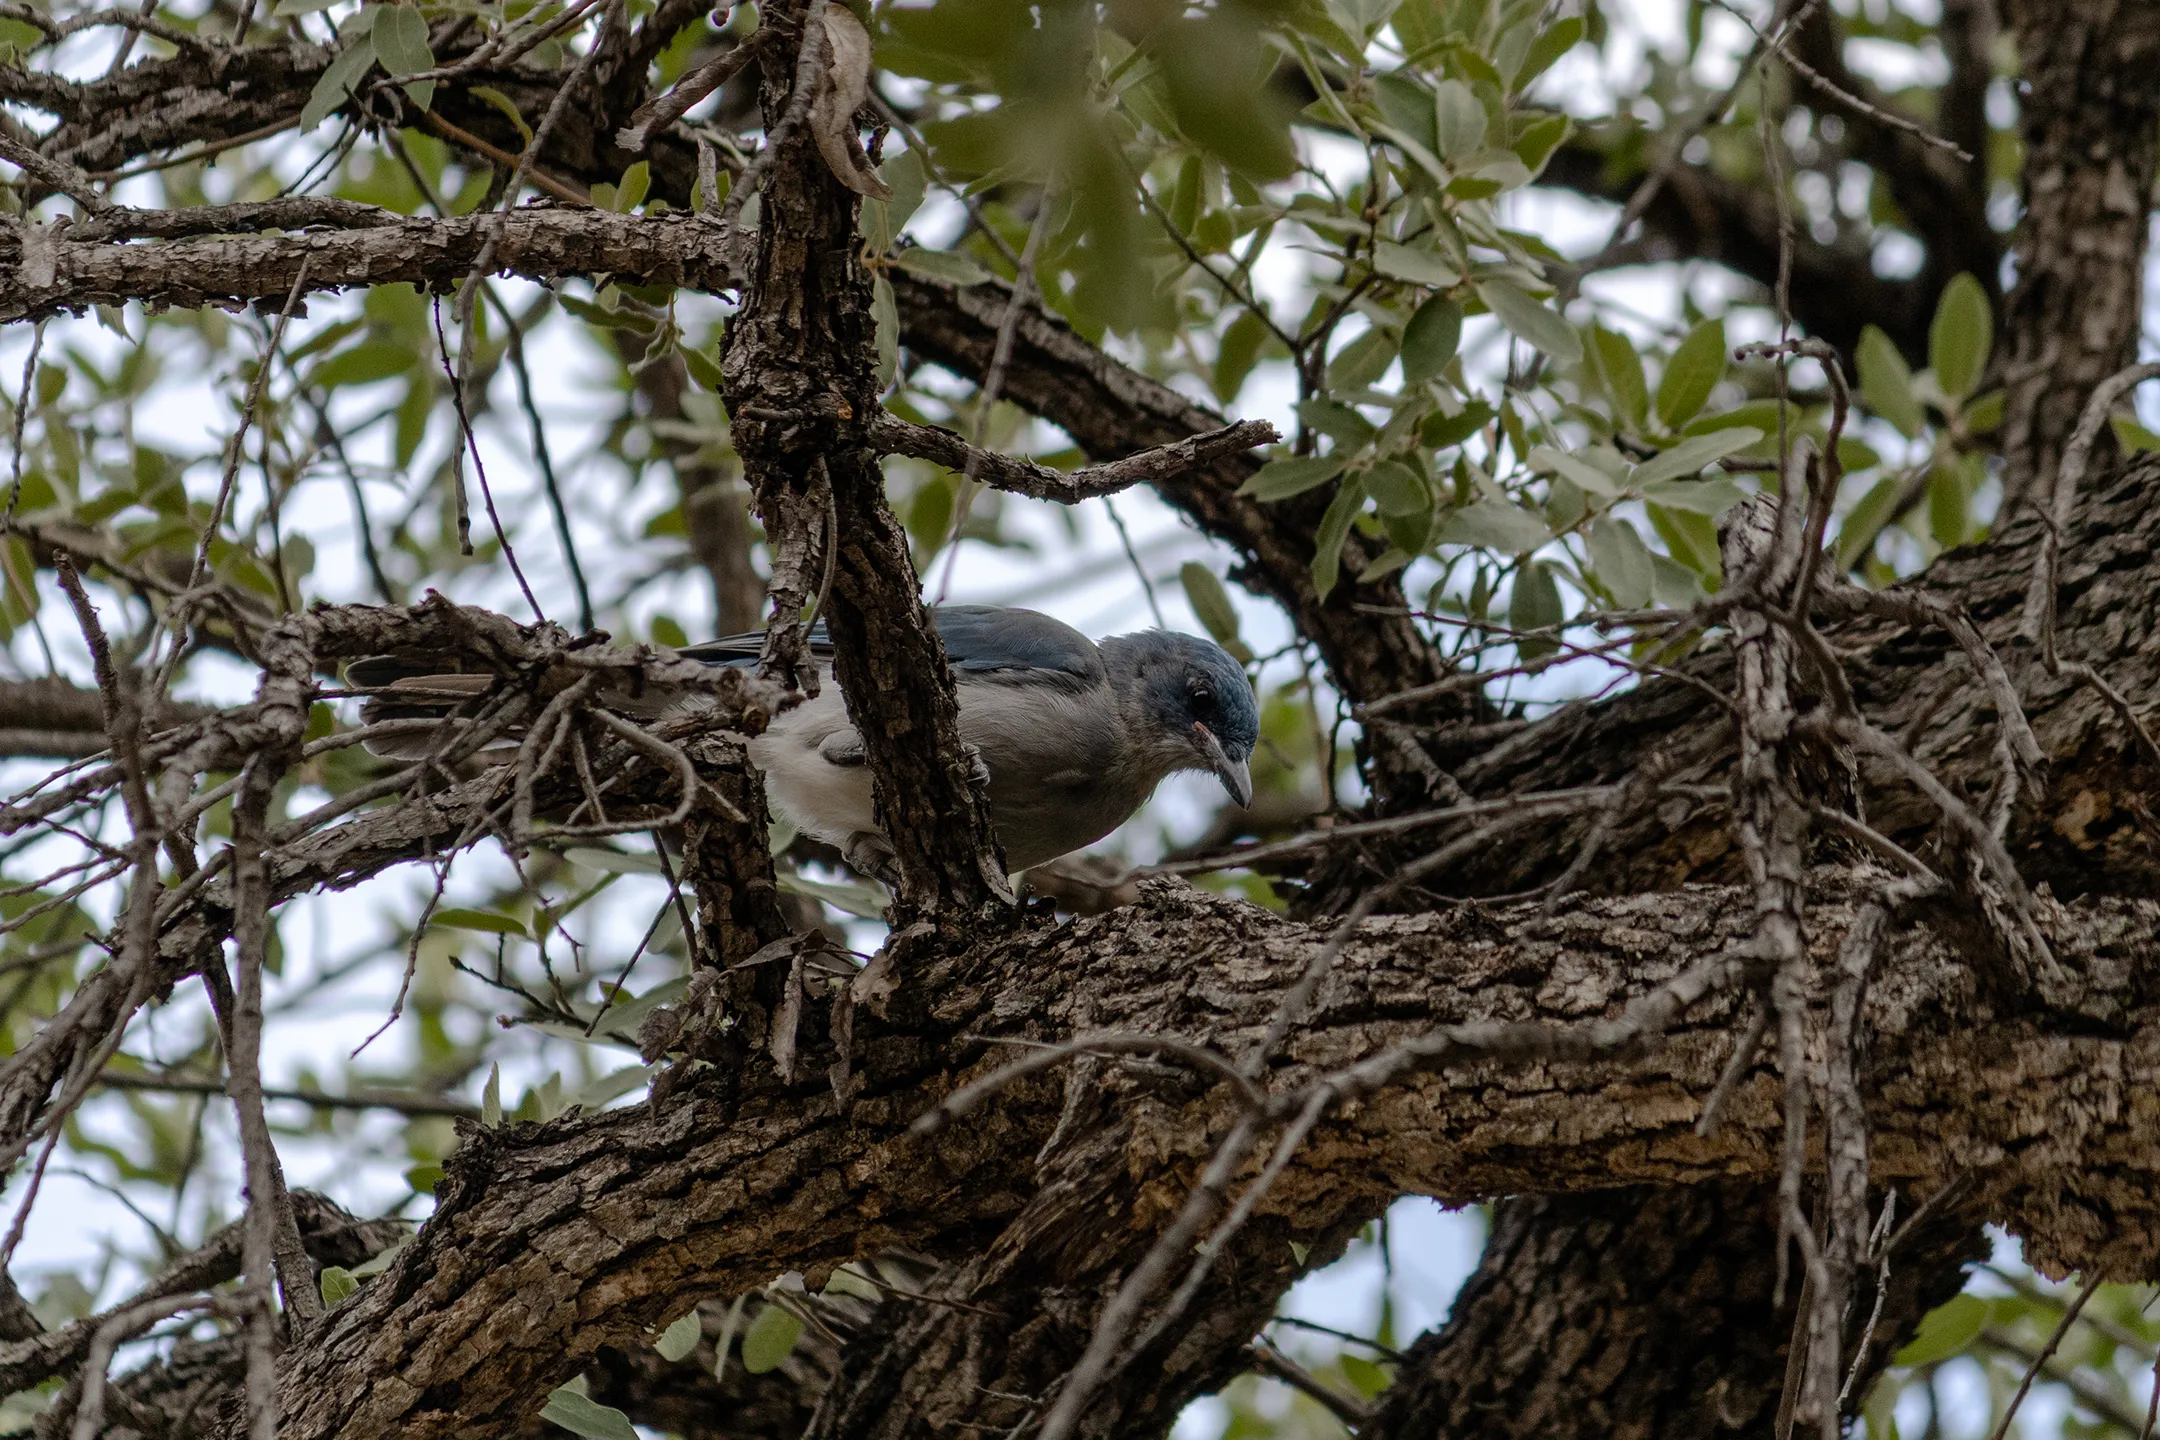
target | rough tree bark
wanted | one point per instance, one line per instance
(550, 1241)
(2090, 97)
(798, 369)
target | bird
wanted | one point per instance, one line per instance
(1070, 736)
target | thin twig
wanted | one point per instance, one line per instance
(2070, 1314)
(993, 385)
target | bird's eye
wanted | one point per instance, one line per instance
(1200, 695)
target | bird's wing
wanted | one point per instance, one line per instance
(980, 640)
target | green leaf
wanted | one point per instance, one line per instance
(1692, 539)
(491, 1111)
(1692, 454)
(301, 7)
(362, 364)
(381, 1260)
(1673, 585)
(1185, 198)
(863, 899)
(337, 80)
(1293, 475)
(506, 105)
(1984, 413)
(1333, 532)
(2131, 435)
(1349, 430)
(636, 183)
(1886, 383)
(1712, 496)
(1238, 351)
(460, 919)
(1949, 506)
(1534, 604)
(1362, 361)
(1691, 374)
(424, 1177)
(1548, 461)
(613, 862)
(1961, 336)
(1460, 121)
(609, 319)
(1945, 1331)
(1440, 431)
(1539, 139)
(1365, 1376)
(680, 1338)
(1494, 525)
(337, 1283)
(1621, 561)
(1398, 489)
(1553, 42)
(589, 1418)
(1429, 340)
(1214, 74)
(1418, 267)
(702, 367)
(1621, 370)
(1856, 537)
(769, 1339)
(401, 40)
(948, 266)
(1531, 320)
(1211, 602)
(886, 311)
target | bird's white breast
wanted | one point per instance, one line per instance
(1058, 772)
(825, 801)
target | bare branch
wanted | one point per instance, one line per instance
(1040, 482)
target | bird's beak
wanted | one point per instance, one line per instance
(1236, 775)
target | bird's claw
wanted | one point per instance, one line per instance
(871, 854)
(978, 768)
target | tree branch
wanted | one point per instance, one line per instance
(586, 1229)
(1040, 482)
(538, 242)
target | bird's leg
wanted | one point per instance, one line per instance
(872, 854)
(978, 769)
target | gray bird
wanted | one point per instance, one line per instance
(1074, 736)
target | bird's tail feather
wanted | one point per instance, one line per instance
(419, 689)
(413, 697)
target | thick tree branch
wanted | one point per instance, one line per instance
(51, 273)
(48, 716)
(551, 1241)
(2087, 828)
(1645, 1308)
(2091, 126)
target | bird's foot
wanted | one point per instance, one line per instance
(872, 854)
(978, 768)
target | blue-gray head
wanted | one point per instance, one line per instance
(1189, 703)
